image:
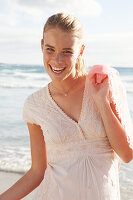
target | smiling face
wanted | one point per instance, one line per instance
(61, 50)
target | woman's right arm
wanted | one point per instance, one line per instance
(35, 175)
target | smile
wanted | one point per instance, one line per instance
(57, 70)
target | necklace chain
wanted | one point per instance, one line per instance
(66, 93)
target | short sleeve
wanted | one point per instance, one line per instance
(30, 113)
(119, 98)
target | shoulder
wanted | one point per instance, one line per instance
(33, 106)
(37, 97)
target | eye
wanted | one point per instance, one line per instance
(68, 52)
(50, 49)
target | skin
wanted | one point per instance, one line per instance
(56, 56)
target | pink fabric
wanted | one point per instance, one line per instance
(100, 72)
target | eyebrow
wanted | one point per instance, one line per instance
(47, 45)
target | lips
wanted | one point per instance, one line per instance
(57, 70)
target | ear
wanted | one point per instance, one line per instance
(42, 42)
(82, 50)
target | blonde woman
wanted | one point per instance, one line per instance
(75, 131)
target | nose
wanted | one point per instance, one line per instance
(58, 58)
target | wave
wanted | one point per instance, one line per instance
(15, 158)
(25, 76)
(15, 85)
(19, 74)
(38, 83)
(127, 78)
(128, 87)
(24, 82)
(17, 171)
(12, 171)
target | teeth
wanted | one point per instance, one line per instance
(57, 69)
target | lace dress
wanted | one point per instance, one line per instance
(81, 162)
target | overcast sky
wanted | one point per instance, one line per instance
(108, 29)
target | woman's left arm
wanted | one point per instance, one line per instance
(115, 131)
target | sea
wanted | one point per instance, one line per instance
(16, 83)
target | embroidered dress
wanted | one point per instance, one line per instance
(81, 162)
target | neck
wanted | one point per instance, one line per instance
(64, 85)
(67, 86)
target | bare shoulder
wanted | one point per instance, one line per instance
(34, 128)
(38, 95)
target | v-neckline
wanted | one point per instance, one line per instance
(62, 111)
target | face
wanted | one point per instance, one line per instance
(60, 53)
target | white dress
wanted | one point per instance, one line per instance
(81, 163)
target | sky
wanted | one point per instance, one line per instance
(108, 28)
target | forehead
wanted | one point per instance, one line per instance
(59, 38)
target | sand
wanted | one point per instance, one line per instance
(7, 179)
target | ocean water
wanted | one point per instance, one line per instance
(16, 83)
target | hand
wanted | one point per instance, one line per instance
(100, 91)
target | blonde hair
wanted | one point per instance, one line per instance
(69, 23)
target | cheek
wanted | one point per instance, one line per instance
(46, 57)
(72, 60)
(45, 60)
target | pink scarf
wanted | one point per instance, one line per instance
(118, 96)
(101, 72)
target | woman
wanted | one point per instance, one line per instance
(75, 131)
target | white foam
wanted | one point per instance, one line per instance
(15, 159)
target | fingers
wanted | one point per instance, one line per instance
(92, 80)
(105, 80)
(100, 77)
